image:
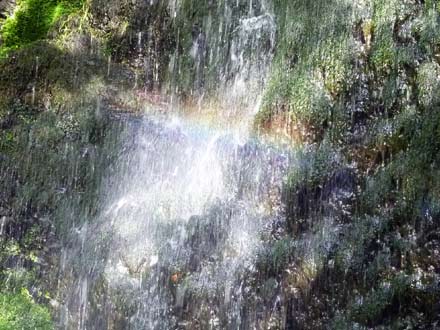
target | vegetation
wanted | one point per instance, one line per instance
(369, 116)
(32, 20)
(356, 85)
(19, 311)
(312, 64)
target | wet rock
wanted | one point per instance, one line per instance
(6, 9)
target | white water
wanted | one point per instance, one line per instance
(182, 213)
(182, 218)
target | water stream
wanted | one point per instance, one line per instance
(179, 229)
(185, 206)
(219, 164)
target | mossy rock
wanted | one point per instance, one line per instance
(19, 311)
(32, 20)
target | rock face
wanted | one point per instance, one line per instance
(6, 8)
(355, 85)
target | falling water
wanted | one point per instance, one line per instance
(179, 227)
(37, 66)
(33, 95)
(109, 65)
(183, 209)
(139, 41)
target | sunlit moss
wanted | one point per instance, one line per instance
(334, 65)
(429, 83)
(32, 20)
(19, 311)
(312, 62)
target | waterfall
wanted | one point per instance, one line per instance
(183, 209)
(179, 229)
(219, 164)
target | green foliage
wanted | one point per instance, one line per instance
(372, 308)
(307, 98)
(7, 140)
(275, 256)
(411, 177)
(25, 249)
(325, 48)
(32, 20)
(352, 251)
(17, 113)
(429, 83)
(428, 28)
(314, 165)
(384, 49)
(312, 63)
(18, 311)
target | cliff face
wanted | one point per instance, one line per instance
(353, 85)
(352, 82)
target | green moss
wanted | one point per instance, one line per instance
(410, 179)
(384, 50)
(7, 140)
(18, 311)
(313, 60)
(427, 28)
(275, 256)
(372, 309)
(428, 83)
(32, 20)
(314, 165)
(334, 66)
